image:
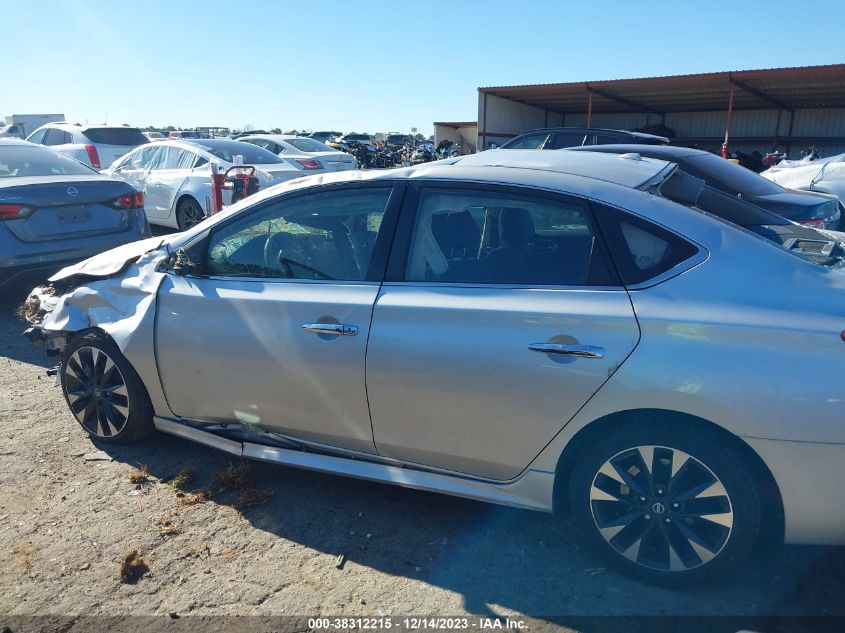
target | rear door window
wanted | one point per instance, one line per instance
(492, 236)
(56, 136)
(115, 136)
(567, 139)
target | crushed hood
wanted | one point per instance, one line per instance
(109, 263)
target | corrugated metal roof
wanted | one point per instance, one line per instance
(788, 88)
(456, 124)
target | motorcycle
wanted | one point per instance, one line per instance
(423, 154)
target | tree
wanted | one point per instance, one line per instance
(276, 130)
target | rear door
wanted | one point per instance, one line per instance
(499, 319)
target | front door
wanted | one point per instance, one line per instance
(503, 319)
(274, 335)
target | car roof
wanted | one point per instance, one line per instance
(622, 170)
(666, 152)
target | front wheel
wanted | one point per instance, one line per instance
(103, 391)
(666, 500)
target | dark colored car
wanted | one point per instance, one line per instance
(55, 211)
(819, 210)
(324, 136)
(561, 137)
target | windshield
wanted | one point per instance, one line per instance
(730, 177)
(115, 136)
(397, 139)
(25, 160)
(226, 150)
(308, 145)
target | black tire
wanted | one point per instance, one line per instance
(676, 535)
(103, 390)
(188, 213)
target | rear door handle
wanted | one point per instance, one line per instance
(330, 328)
(582, 351)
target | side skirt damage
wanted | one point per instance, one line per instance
(532, 491)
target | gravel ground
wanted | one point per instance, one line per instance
(67, 522)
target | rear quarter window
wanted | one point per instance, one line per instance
(640, 250)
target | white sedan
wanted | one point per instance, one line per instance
(826, 175)
(175, 176)
(304, 153)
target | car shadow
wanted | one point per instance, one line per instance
(495, 557)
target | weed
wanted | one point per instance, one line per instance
(181, 481)
(140, 476)
(166, 527)
(132, 567)
(236, 477)
(201, 496)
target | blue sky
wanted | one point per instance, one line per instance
(371, 66)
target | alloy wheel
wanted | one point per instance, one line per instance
(661, 508)
(191, 214)
(96, 392)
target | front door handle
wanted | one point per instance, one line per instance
(583, 351)
(330, 328)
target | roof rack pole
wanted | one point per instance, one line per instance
(728, 121)
(589, 107)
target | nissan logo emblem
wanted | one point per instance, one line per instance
(72, 192)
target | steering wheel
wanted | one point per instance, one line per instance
(287, 262)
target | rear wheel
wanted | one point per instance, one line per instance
(103, 391)
(188, 213)
(667, 501)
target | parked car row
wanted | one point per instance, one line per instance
(584, 331)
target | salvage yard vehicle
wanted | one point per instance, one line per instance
(547, 330)
(97, 146)
(561, 137)
(175, 176)
(302, 152)
(822, 175)
(55, 211)
(819, 210)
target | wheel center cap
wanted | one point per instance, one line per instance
(658, 508)
(97, 392)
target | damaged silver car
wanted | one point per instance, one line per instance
(546, 330)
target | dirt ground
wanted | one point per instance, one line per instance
(296, 542)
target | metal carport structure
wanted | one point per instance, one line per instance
(787, 108)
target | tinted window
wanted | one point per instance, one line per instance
(604, 139)
(481, 236)
(567, 139)
(28, 160)
(115, 136)
(308, 145)
(727, 176)
(326, 235)
(226, 150)
(56, 136)
(529, 141)
(641, 250)
(37, 136)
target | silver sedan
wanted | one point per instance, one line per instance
(556, 331)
